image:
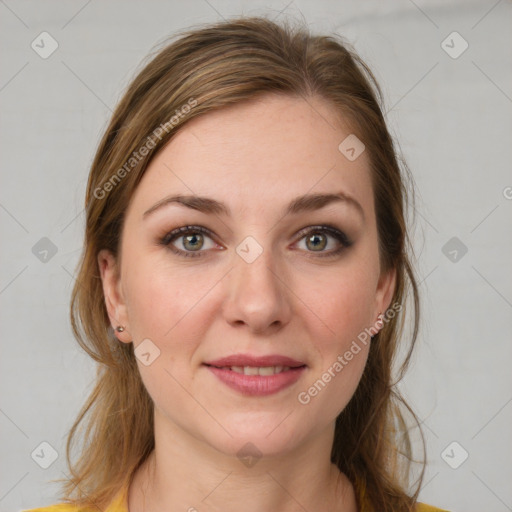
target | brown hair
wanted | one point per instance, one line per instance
(212, 67)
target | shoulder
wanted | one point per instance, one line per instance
(67, 507)
(59, 507)
(422, 507)
(63, 507)
(118, 504)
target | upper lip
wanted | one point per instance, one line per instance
(257, 361)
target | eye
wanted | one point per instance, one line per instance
(190, 241)
(316, 239)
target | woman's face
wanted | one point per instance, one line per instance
(238, 320)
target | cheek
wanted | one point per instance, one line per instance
(170, 308)
(342, 354)
(342, 306)
(161, 301)
(342, 310)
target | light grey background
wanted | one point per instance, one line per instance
(452, 117)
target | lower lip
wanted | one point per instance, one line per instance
(257, 385)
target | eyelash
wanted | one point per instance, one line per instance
(185, 230)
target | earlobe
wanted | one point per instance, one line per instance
(114, 300)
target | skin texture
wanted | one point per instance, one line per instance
(255, 157)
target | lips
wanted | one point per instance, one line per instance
(257, 375)
(255, 361)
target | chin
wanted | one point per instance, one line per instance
(254, 445)
(260, 434)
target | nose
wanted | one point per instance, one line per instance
(257, 296)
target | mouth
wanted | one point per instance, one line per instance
(255, 370)
(257, 376)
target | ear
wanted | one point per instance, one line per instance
(112, 290)
(384, 293)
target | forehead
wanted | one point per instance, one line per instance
(256, 154)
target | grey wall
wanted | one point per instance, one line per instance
(453, 119)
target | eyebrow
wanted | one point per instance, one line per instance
(305, 203)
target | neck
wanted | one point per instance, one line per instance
(184, 473)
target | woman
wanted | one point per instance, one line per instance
(243, 285)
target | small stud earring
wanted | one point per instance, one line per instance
(119, 328)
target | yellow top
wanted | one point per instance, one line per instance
(120, 504)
